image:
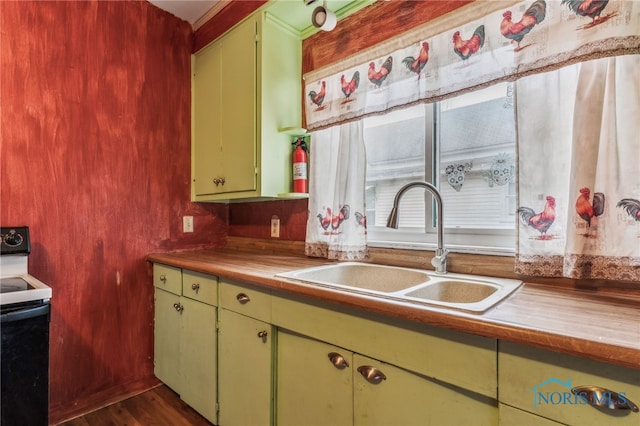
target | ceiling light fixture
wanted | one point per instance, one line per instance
(323, 18)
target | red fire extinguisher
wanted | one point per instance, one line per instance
(300, 165)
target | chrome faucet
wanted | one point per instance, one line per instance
(439, 261)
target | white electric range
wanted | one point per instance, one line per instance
(16, 284)
(25, 313)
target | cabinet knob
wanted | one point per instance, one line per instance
(195, 287)
(263, 335)
(338, 360)
(371, 374)
(219, 181)
(601, 397)
(178, 307)
(163, 278)
(243, 298)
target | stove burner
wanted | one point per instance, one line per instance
(11, 284)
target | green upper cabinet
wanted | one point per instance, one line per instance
(246, 86)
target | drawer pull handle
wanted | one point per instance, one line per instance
(338, 360)
(371, 374)
(195, 287)
(263, 335)
(219, 181)
(243, 298)
(178, 307)
(601, 397)
(163, 278)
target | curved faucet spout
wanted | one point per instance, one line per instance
(440, 259)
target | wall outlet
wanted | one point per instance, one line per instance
(187, 223)
(275, 226)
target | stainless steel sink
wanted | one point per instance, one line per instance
(464, 292)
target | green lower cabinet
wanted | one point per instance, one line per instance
(185, 350)
(543, 383)
(321, 384)
(388, 395)
(166, 363)
(198, 366)
(314, 382)
(185, 337)
(391, 374)
(244, 370)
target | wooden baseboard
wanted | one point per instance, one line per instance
(68, 411)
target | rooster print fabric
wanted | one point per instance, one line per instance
(578, 183)
(336, 227)
(450, 55)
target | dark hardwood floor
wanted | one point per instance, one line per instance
(159, 406)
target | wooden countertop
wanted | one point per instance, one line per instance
(604, 326)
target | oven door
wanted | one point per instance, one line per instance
(24, 353)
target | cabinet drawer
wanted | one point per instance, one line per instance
(461, 359)
(168, 278)
(245, 299)
(540, 381)
(201, 287)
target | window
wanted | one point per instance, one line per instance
(466, 147)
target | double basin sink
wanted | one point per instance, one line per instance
(457, 291)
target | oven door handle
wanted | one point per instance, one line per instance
(25, 314)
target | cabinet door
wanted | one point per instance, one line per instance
(166, 363)
(207, 157)
(244, 375)
(542, 382)
(198, 357)
(510, 416)
(238, 109)
(392, 396)
(314, 386)
(224, 108)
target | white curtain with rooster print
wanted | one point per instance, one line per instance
(579, 187)
(336, 228)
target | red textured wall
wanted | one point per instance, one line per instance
(95, 158)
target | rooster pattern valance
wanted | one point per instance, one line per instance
(509, 42)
